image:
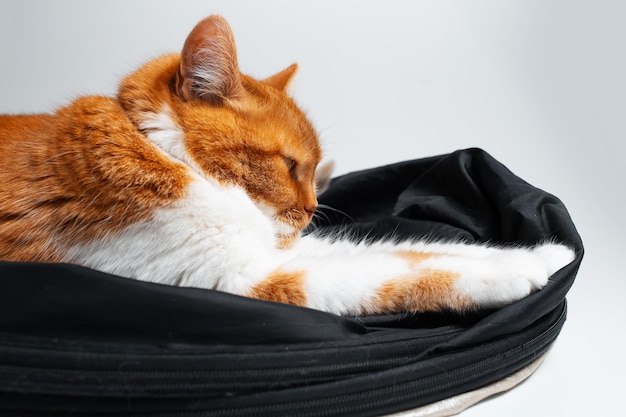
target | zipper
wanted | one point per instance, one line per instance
(310, 391)
(200, 382)
(416, 392)
(27, 369)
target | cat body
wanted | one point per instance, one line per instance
(197, 175)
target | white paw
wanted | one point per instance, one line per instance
(554, 256)
(511, 274)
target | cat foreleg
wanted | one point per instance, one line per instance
(351, 279)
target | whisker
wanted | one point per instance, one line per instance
(319, 215)
(327, 207)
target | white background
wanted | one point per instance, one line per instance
(537, 83)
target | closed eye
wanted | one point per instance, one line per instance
(291, 165)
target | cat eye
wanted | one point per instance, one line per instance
(290, 163)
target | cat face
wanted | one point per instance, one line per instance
(233, 128)
(262, 143)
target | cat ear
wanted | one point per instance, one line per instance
(208, 63)
(282, 79)
(323, 175)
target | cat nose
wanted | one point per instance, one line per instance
(310, 209)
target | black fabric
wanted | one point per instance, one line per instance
(79, 342)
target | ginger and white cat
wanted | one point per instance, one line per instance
(197, 175)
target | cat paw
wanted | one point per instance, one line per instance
(554, 256)
(510, 275)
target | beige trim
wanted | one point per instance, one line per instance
(454, 405)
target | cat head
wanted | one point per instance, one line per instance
(199, 108)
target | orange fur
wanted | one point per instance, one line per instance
(89, 170)
(282, 287)
(69, 177)
(430, 291)
(243, 137)
(414, 258)
(177, 148)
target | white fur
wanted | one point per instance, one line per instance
(217, 237)
(280, 228)
(509, 274)
(214, 72)
(162, 131)
(343, 277)
(196, 241)
(213, 238)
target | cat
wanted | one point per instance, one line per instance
(198, 175)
